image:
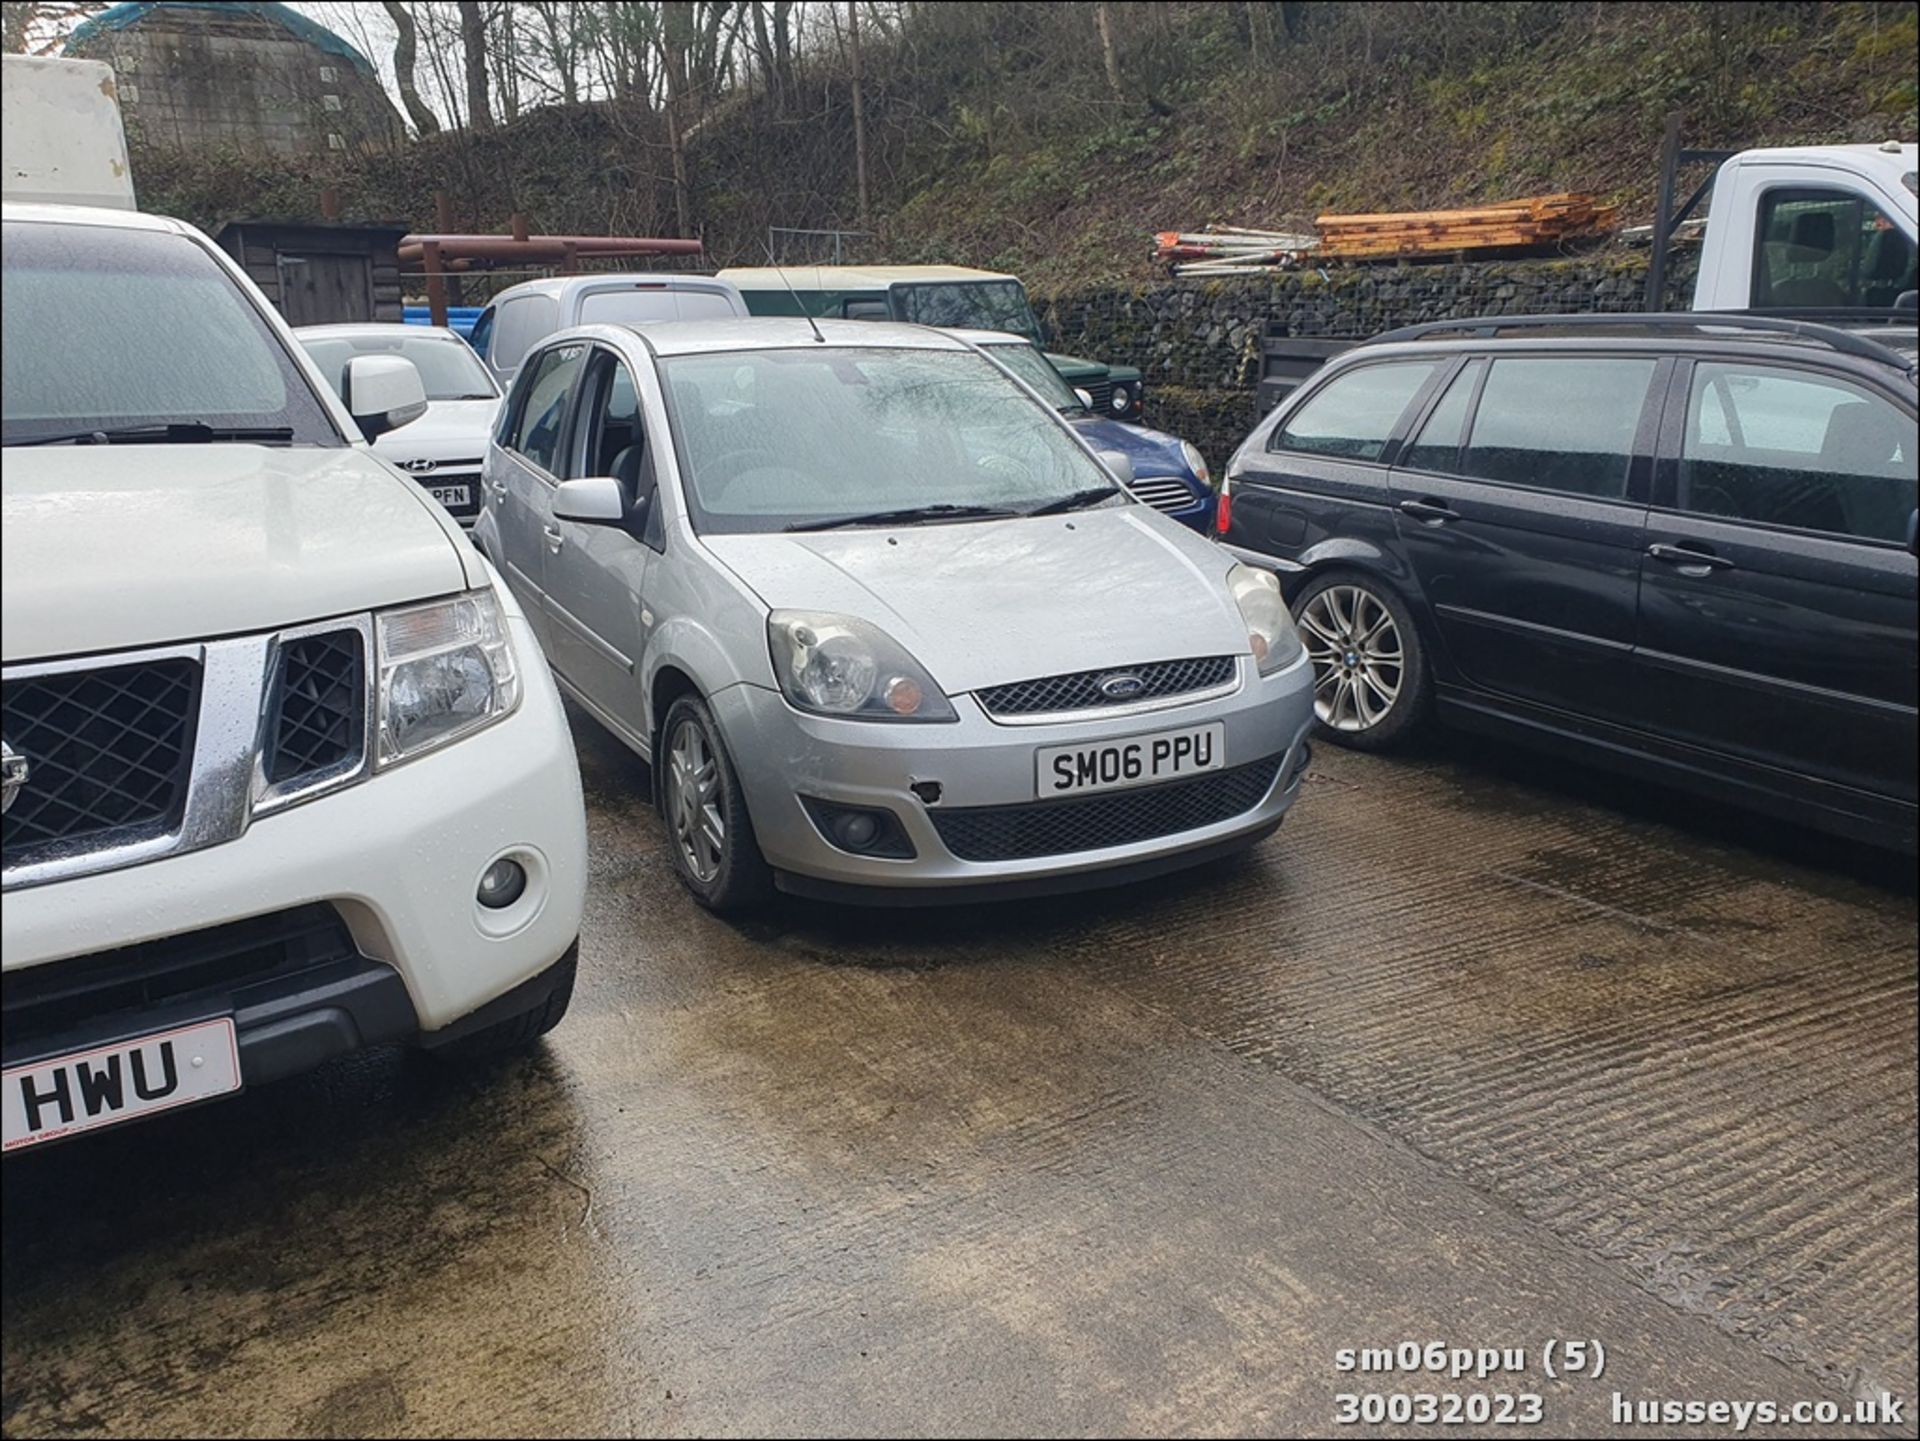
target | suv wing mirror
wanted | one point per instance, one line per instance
(383, 393)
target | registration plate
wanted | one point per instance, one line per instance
(1131, 761)
(453, 497)
(88, 1089)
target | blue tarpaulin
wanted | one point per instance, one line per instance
(460, 318)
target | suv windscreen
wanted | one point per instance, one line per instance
(763, 434)
(968, 305)
(119, 330)
(1031, 366)
(448, 368)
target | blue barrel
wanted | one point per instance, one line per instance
(460, 318)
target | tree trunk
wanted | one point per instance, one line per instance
(473, 40)
(425, 122)
(1104, 20)
(675, 21)
(859, 116)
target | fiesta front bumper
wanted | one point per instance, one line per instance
(983, 772)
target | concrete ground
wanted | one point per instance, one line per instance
(1477, 1050)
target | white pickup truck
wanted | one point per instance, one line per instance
(285, 774)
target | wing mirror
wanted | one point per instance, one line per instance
(592, 500)
(1120, 464)
(383, 393)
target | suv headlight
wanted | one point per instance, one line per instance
(841, 666)
(1121, 398)
(1196, 462)
(1270, 633)
(446, 670)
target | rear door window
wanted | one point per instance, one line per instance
(1788, 448)
(1438, 445)
(1562, 423)
(1352, 416)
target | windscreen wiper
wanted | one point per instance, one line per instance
(178, 432)
(1075, 501)
(909, 516)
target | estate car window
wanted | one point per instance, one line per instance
(544, 412)
(1829, 249)
(1352, 416)
(1562, 423)
(1787, 448)
(1440, 439)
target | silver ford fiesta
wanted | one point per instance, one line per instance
(881, 623)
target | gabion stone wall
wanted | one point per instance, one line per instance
(1198, 341)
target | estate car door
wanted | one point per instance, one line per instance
(523, 487)
(597, 574)
(1520, 504)
(1777, 595)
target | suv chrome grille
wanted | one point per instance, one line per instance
(1053, 828)
(1081, 690)
(317, 715)
(1164, 492)
(108, 753)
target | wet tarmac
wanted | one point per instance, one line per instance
(1477, 1049)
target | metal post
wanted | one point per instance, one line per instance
(436, 283)
(1663, 215)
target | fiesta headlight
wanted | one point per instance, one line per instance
(446, 670)
(839, 665)
(1270, 633)
(1196, 462)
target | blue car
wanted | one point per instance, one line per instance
(1169, 474)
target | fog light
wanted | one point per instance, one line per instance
(860, 830)
(856, 829)
(503, 883)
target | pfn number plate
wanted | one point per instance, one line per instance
(1133, 761)
(86, 1089)
(453, 497)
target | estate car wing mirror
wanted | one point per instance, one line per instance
(383, 393)
(592, 500)
(1120, 464)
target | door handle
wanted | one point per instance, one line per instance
(554, 538)
(1429, 512)
(1688, 560)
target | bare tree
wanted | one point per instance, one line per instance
(473, 43)
(859, 116)
(676, 26)
(30, 28)
(425, 122)
(1103, 19)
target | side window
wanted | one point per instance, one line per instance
(1352, 416)
(524, 322)
(1438, 445)
(1562, 423)
(543, 414)
(864, 310)
(1784, 447)
(607, 435)
(1828, 249)
(482, 332)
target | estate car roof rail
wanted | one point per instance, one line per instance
(1831, 336)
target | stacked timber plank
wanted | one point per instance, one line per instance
(1528, 224)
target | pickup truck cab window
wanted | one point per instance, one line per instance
(1353, 415)
(1828, 249)
(1563, 423)
(1787, 448)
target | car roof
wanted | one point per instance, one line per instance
(93, 215)
(988, 337)
(697, 337)
(559, 285)
(851, 277)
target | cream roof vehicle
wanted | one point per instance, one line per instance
(284, 775)
(882, 622)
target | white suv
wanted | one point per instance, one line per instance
(285, 775)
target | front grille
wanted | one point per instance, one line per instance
(1081, 690)
(1056, 828)
(108, 754)
(1101, 393)
(199, 966)
(317, 711)
(1164, 492)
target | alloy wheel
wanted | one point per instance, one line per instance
(1354, 645)
(693, 802)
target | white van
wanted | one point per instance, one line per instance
(524, 315)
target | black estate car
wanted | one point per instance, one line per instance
(1682, 545)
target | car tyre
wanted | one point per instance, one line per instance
(515, 1033)
(709, 833)
(1372, 686)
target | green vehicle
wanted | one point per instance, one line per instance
(949, 296)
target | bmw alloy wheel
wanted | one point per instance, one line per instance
(693, 802)
(1355, 648)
